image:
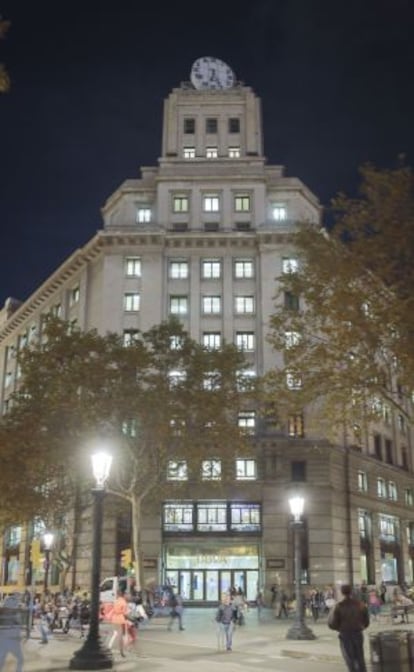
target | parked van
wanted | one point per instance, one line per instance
(110, 586)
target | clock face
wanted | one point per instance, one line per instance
(211, 73)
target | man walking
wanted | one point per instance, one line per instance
(350, 617)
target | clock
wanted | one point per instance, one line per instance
(211, 73)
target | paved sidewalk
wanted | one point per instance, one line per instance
(196, 647)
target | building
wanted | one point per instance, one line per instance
(203, 236)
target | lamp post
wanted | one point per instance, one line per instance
(93, 655)
(299, 629)
(47, 543)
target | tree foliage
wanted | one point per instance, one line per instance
(163, 398)
(349, 349)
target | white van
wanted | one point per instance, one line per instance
(110, 586)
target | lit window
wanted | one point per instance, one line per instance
(189, 152)
(212, 381)
(362, 481)
(293, 380)
(245, 341)
(13, 535)
(212, 517)
(408, 497)
(133, 267)
(129, 428)
(234, 125)
(176, 377)
(212, 340)
(177, 470)
(243, 268)
(176, 342)
(246, 380)
(56, 310)
(211, 203)
(279, 212)
(381, 488)
(8, 379)
(389, 527)
(74, 296)
(211, 125)
(296, 425)
(292, 338)
(180, 204)
(177, 517)
(143, 215)
(401, 423)
(234, 152)
(392, 491)
(244, 305)
(290, 265)
(131, 302)
(247, 421)
(364, 524)
(178, 270)
(242, 203)
(130, 336)
(211, 305)
(245, 517)
(211, 152)
(246, 470)
(189, 125)
(211, 470)
(211, 269)
(22, 341)
(178, 305)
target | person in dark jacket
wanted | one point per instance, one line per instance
(350, 617)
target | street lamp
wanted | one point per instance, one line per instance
(47, 544)
(299, 630)
(93, 655)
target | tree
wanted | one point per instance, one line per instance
(348, 351)
(4, 77)
(162, 399)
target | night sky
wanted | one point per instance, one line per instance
(89, 80)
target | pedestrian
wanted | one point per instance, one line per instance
(383, 592)
(283, 605)
(374, 604)
(119, 620)
(176, 604)
(225, 622)
(315, 602)
(350, 617)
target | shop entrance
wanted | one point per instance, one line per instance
(201, 574)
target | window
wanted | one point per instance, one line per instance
(176, 377)
(178, 305)
(244, 305)
(177, 517)
(211, 125)
(388, 451)
(143, 215)
(234, 125)
(295, 425)
(210, 269)
(56, 310)
(408, 497)
(243, 268)
(129, 428)
(234, 152)
(131, 302)
(242, 203)
(74, 296)
(189, 125)
(212, 340)
(243, 226)
(177, 470)
(246, 470)
(13, 536)
(362, 481)
(381, 488)
(392, 491)
(245, 517)
(212, 380)
(364, 524)
(247, 421)
(133, 267)
(245, 341)
(246, 380)
(291, 301)
(209, 227)
(176, 342)
(389, 527)
(211, 470)
(401, 423)
(189, 153)
(298, 471)
(211, 152)
(410, 534)
(292, 338)
(211, 203)
(130, 336)
(293, 380)
(378, 446)
(178, 270)
(212, 517)
(279, 212)
(180, 203)
(211, 305)
(290, 265)
(8, 378)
